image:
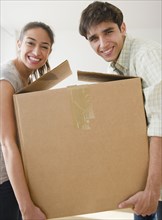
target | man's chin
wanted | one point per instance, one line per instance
(108, 59)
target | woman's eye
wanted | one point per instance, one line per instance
(29, 43)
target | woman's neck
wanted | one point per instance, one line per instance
(24, 72)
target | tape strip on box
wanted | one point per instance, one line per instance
(82, 108)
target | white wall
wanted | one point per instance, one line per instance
(8, 44)
(143, 19)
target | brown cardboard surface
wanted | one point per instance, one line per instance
(100, 77)
(49, 79)
(85, 147)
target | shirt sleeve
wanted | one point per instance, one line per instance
(9, 74)
(153, 107)
(150, 72)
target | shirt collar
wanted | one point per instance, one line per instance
(122, 64)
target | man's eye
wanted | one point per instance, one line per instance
(92, 39)
(109, 32)
(45, 47)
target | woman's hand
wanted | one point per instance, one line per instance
(33, 213)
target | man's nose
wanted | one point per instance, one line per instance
(103, 42)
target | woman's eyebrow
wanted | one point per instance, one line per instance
(35, 40)
(31, 38)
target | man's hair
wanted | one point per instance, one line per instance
(98, 12)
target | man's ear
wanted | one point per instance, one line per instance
(123, 28)
(50, 51)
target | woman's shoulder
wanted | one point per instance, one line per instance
(10, 74)
(7, 68)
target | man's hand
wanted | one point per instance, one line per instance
(143, 203)
(146, 202)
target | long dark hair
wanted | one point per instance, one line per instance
(46, 67)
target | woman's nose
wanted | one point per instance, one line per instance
(36, 50)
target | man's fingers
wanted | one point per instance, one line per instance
(129, 203)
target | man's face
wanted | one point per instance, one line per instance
(107, 40)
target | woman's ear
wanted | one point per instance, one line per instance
(18, 45)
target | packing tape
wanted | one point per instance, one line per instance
(81, 104)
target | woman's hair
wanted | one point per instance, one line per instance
(32, 25)
(98, 12)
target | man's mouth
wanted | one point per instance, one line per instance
(108, 52)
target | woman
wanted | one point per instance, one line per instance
(34, 47)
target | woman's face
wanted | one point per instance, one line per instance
(107, 40)
(34, 48)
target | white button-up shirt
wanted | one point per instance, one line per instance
(143, 58)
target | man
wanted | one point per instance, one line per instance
(102, 25)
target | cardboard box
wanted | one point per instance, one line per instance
(84, 148)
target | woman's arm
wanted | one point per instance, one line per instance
(12, 158)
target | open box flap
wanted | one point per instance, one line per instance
(99, 77)
(49, 79)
